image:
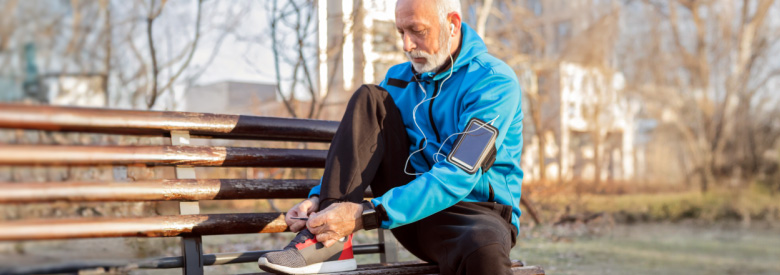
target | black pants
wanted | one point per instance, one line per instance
(370, 149)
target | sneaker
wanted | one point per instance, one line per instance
(304, 255)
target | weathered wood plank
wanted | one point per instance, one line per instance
(160, 226)
(215, 156)
(134, 122)
(158, 190)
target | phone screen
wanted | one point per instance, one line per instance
(472, 144)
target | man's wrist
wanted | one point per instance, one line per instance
(369, 216)
(381, 214)
(315, 201)
(359, 217)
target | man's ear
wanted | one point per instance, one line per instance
(455, 20)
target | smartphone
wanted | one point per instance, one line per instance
(474, 147)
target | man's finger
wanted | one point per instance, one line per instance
(316, 220)
(329, 243)
(289, 221)
(310, 211)
(291, 213)
(314, 230)
(302, 208)
(297, 225)
(324, 237)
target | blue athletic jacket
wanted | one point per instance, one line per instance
(481, 86)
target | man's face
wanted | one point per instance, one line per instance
(425, 39)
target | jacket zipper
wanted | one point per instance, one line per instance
(492, 196)
(430, 110)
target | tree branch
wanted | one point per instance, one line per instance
(275, 48)
(155, 71)
(191, 52)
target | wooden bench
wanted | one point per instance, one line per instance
(190, 225)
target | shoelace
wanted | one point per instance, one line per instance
(302, 236)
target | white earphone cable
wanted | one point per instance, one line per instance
(438, 153)
(414, 112)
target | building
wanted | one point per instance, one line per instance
(233, 97)
(589, 126)
(85, 90)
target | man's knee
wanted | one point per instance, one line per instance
(367, 92)
(489, 259)
(481, 249)
(481, 235)
(368, 99)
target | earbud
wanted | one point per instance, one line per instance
(452, 29)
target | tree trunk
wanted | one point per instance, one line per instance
(107, 60)
(597, 157)
(531, 209)
(706, 178)
(542, 164)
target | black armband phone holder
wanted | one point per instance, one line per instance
(475, 148)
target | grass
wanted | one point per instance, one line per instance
(754, 203)
(659, 248)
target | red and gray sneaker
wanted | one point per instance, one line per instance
(304, 255)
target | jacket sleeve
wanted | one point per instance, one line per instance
(496, 96)
(315, 191)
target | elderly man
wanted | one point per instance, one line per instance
(449, 195)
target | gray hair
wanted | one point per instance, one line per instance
(447, 6)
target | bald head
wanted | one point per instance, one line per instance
(430, 31)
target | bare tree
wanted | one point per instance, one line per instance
(293, 32)
(155, 12)
(107, 47)
(120, 41)
(707, 65)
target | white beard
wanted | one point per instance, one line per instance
(432, 61)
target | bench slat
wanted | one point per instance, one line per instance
(133, 122)
(159, 190)
(161, 155)
(160, 226)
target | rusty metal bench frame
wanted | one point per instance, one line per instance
(190, 225)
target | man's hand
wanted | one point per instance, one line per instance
(301, 210)
(336, 221)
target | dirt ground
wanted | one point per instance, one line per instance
(659, 248)
(650, 248)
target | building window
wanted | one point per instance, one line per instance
(535, 6)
